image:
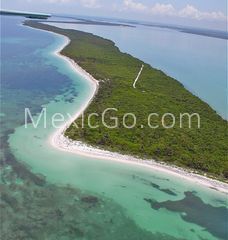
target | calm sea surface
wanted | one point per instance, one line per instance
(32, 76)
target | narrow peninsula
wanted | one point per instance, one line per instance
(201, 149)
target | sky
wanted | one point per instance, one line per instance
(200, 13)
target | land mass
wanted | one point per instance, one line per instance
(196, 31)
(191, 30)
(203, 149)
(25, 14)
(90, 22)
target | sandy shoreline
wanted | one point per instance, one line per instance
(59, 141)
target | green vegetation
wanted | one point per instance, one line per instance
(201, 149)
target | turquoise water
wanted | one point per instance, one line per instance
(199, 62)
(157, 202)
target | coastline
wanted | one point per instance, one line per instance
(60, 142)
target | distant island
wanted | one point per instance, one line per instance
(25, 14)
(185, 29)
(203, 150)
(196, 31)
(90, 22)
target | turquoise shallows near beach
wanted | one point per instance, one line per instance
(127, 185)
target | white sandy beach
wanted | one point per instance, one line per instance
(60, 142)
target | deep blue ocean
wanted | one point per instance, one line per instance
(27, 80)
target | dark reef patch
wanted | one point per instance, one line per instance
(154, 185)
(213, 219)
